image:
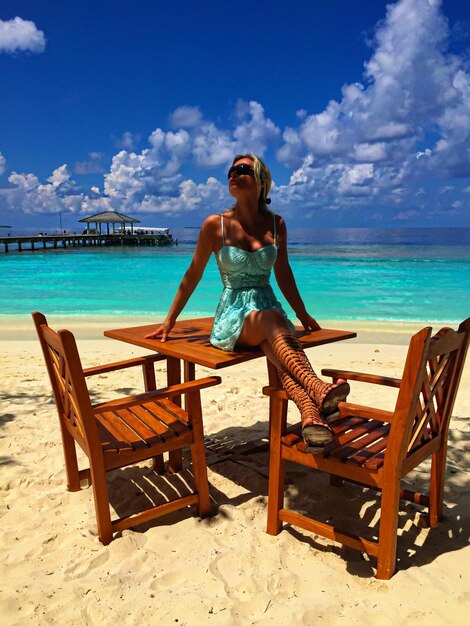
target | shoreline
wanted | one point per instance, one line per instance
(20, 327)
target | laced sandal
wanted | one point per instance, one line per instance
(315, 431)
(328, 396)
(290, 354)
(316, 435)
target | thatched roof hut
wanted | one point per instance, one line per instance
(109, 217)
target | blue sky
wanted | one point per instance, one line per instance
(360, 107)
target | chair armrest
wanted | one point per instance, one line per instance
(347, 409)
(275, 392)
(121, 365)
(166, 392)
(388, 381)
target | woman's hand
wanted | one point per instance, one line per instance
(308, 322)
(163, 330)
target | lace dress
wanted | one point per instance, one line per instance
(245, 276)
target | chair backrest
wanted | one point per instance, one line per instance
(428, 390)
(68, 382)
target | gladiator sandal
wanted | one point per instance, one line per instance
(290, 354)
(315, 432)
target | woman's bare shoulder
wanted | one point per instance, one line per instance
(211, 226)
(211, 221)
(280, 222)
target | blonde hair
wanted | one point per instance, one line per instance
(263, 179)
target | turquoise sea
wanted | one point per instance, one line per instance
(351, 274)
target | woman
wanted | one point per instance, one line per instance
(248, 240)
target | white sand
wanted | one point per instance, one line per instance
(224, 570)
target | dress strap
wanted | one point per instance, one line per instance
(222, 227)
(274, 230)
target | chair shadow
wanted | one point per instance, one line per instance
(6, 418)
(351, 507)
(356, 509)
(133, 489)
(237, 447)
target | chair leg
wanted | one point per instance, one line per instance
(101, 498)
(386, 558)
(277, 426)
(198, 454)
(71, 464)
(158, 464)
(436, 490)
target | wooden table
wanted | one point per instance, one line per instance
(189, 343)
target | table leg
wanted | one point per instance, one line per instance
(273, 375)
(275, 381)
(148, 370)
(173, 377)
(189, 371)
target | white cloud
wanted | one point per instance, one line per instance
(370, 151)
(29, 196)
(3, 162)
(18, 35)
(373, 151)
(127, 141)
(255, 132)
(213, 147)
(23, 181)
(413, 90)
(186, 117)
(91, 166)
(353, 179)
(59, 176)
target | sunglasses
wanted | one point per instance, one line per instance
(242, 169)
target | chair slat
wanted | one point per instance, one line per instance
(139, 428)
(121, 433)
(153, 423)
(109, 443)
(356, 428)
(356, 448)
(145, 425)
(168, 414)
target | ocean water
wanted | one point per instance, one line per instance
(350, 274)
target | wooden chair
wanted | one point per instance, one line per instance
(378, 448)
(125, 431)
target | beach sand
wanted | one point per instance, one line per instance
(223, 570)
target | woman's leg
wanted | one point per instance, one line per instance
(290, 353)
(315, 431)
(269, 329)
(271, 326)
(262, 326)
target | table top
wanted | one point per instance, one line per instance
(189, 340)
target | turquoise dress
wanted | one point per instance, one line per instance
(245, 276)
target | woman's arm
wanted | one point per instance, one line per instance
(286, 281)
(204, 249)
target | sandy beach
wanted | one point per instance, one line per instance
(223, 570)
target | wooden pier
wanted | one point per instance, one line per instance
(48, 242)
